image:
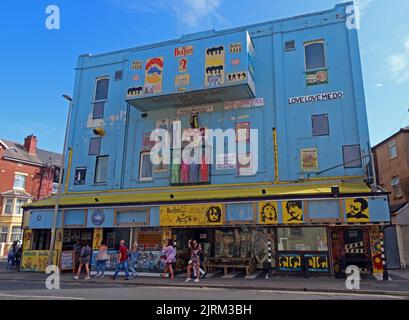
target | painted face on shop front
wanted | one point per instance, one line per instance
(294, 209)
(214, 214)
(269, 213)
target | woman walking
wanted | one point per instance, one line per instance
(133, 259)
(85, 258)
(170, 257)
(194, 262)
(101, 260)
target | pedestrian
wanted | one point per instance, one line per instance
(101, 260)
(194, 262)
(84, 260)
(133, 259)
(122, 261)
(77, 252)
(201, 259)
(11, 255)
(169, 253)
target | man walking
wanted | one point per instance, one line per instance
(122, 260)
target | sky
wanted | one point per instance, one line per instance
(37, 65)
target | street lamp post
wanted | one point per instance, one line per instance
(60, 177)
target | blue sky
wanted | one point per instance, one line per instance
(37, 64)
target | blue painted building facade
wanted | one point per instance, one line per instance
(298, 81)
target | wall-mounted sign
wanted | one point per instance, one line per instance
(235, 47)
(137, 64)
(317, 262)
(243, 104)
(153, 75)
(309, 159)
(268, 212)
(98, 217)
(289, 262)
(316, 77)
(182, 65)
(134, 91)
(182, 80)
(317, 97)
(27, 238)
(292, 212)
(214, 66)
(98, 236)
(235, 62)
(80, 175)
(236, 76)
(183, 51)
(198, 109)
(192, 215)
(357, 210)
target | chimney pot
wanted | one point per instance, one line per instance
(30, 143)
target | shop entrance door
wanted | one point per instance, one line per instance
(357, 252)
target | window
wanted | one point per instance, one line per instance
(320, 126)
(118, 75)
(80, 175)
(3, 234)
(397, 190)
(100, 96)
(145, 166)
(55, 188)
(314, 55)
(8, 207)
(352, 156)
(302, 239)
(290, 45)
(393, 152)
(101, 169)
(20, 181)
(15, 234)
(18, 208)
(94, 146)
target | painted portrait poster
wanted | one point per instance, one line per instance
(293, 212)
(357, 210)
(153, 75)
(268, 212)
(309, 159)
(214, 66)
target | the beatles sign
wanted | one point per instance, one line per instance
(317, 97)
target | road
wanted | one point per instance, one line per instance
(23, 290)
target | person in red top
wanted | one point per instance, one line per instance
(122, 260)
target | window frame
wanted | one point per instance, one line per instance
(306, 44)
(20, 212)
(343, 156)
(5, 206)
(397, 189)
(312, 124)
(390, 145)
(20, 233)
(287, 42)
(141, 155)
(99, 146)
(96, 168)
(25, 175)
(95, 101)
(2, 233)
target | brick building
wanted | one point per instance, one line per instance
(26, 174)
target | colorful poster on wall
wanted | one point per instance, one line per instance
(182, 65)
(317, 262)
(376, 240)
(182, 80)
(58, 239)
(309, 159)
(357, 210)
(183, 51)
(235, 47)
(192, 215)
(214, 66)
(96, 241)
(42, 259)
(27, 238)
(153, 75)
(150, 240)
(289, 262)
(147, 144)
(67, 260)
(243, 132)
(29, 261)
(268, 212)
(137, 64)
(292, 212)
(316, 77)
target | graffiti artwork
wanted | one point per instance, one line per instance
(357, 210)
(292, 212)
(317, 262)
(316, 77)
(268, 212)
(214, 66)
(153, 75)
(182, 65)
(192, 215)
(289, 262)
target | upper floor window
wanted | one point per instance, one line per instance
(19, 204)
(397, 190)
(20, 181)
(8, 206)
(320, 126)
(3, 234)
(15, 233)
(94, 146)
(100, 96)
(101, 169)
(352, 156)
(145, 166)
(393, 151)
(314, 55)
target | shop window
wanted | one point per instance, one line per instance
(320, 126)
(393, 152)
(314, 55)
(19, 204)
(101, 169)
(145, 166)
(94, 146)
(3, 234)
(20, 181)
(100, 97)
(8, 206)
(352, 156)
(397, 190)
(15, 234)
(302, 239)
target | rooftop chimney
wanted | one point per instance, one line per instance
(30, 143)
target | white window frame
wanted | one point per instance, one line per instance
(307, 43)
(20, 212)
(4, 232)
(140, 167)
(15, 233)
(397, 190)
(390, 145)
(95, 89)
(25, 181)
(5, 205)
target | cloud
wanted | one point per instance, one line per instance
(399, 64)
(379, 85)
(191, 13)
(363, 4)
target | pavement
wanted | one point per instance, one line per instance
(398, 285)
